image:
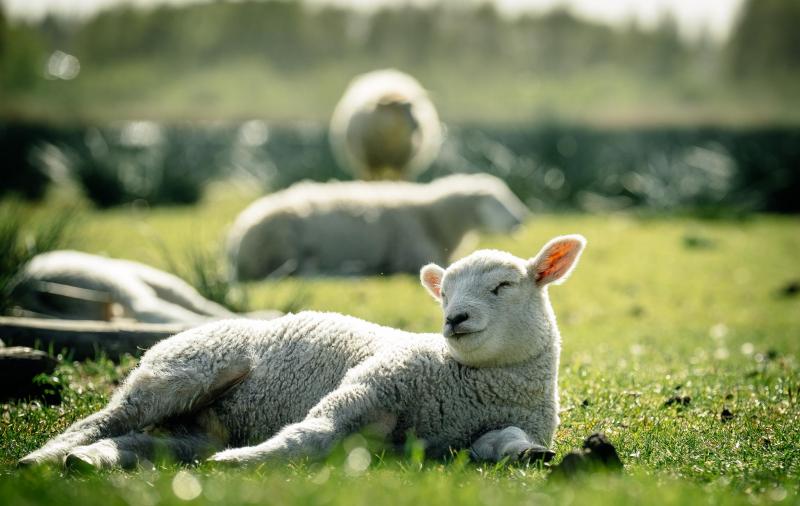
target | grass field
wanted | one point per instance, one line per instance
(246, 88)
(658, 307)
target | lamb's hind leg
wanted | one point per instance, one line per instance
(130, 450)
(148, 397)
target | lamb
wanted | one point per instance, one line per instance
(247, 392)
(315, 228)
(144, 293)
(385, 126)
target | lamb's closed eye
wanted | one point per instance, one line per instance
(496, 289)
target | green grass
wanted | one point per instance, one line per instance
(244, 88)
(657, 307)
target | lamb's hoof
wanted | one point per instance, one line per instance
(26, 462)
(224, 459)
(536, 454)
(81, 464)
(34, 460)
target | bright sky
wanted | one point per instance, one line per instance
(694, 16)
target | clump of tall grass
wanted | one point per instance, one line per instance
(205, 270)
(23, 236)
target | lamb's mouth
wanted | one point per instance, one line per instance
(449, 334)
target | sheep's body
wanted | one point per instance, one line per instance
(385, 126)
(144, 293)
(302, 382)
(316, 228)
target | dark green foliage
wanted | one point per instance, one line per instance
(18, 170)
(164, 165)
(552, 165)
(556, 166)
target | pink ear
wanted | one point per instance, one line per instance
(557, 259)
(431, 277)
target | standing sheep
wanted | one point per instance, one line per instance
(367, 227)
(295, 386)
(385, 126)
(144, 293)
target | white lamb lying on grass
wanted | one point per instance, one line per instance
(385, 126)
(295, 386)
(145, 294)
(367, 228)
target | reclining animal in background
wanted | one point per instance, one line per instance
(367, 227)
(292, 387)
(143, 293)
(385, 127)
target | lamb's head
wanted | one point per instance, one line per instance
(488, 200)
(496, 308)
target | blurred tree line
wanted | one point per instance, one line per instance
(291, 36)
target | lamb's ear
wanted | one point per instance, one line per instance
(556, 260)
(431, 277)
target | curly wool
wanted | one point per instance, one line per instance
(299, 359)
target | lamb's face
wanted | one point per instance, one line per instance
(495, 305)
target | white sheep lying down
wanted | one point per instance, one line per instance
(385, 126)
(292, 387)
(144, 294)
(346, 228)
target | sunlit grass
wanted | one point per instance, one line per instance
(244, 88)
(658, 307)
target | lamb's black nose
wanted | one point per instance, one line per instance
(456, 319)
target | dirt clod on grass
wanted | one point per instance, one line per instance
(679, 400)
(726, 415)
(597, 454)
(790, 289)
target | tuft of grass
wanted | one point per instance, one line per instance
(23, 236)
(207, 272)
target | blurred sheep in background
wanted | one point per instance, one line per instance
(79, 286)
(385, 127)
(360, 228)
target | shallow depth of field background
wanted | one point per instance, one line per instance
(676, 151)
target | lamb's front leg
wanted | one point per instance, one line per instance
(512, 443)
(338, 414)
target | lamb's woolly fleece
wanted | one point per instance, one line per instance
(367, 227)
(385, 120)
(298, 384)
(144, 293)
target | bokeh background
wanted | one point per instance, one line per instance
(670, 106)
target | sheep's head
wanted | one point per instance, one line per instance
(496, 308)
(496, 208)
(500, 212)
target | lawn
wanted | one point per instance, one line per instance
(242, 88)
(659, 307)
